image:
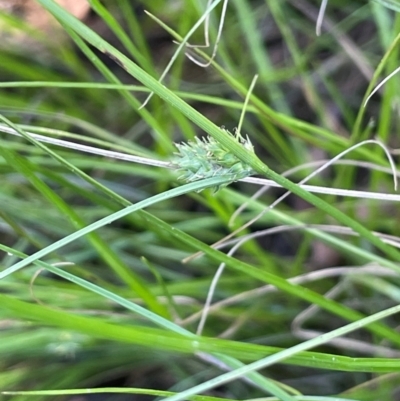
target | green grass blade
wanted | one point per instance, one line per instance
(227, 377)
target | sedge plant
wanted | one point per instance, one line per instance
(93, 285)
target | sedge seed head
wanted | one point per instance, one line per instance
(206, 158)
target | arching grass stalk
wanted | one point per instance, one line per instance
(195, 186)
(207, 36)
(183, 43)
(370, 90)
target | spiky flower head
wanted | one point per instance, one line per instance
(206, 158)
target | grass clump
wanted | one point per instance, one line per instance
(93, 288)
